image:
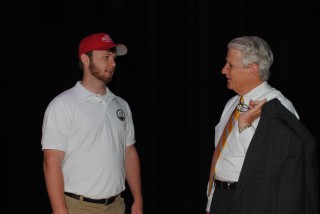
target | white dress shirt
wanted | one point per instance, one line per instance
(231, 158)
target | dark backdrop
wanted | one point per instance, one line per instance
(171, 78)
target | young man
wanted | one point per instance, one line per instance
(88, 139)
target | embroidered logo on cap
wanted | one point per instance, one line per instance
(106, 38)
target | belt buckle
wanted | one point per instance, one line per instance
(228, 184)
(110, 200)
(106, 202)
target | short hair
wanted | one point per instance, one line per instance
(254, 50)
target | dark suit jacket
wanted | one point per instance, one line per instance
(280, 171)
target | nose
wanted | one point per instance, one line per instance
(224, 70)
(113, 61)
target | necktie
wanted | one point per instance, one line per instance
(227, 129)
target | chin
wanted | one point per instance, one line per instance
(108, 80)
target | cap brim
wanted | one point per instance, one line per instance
(121, 49)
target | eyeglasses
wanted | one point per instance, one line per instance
(242, 107)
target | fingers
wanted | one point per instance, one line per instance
(253, 112)
(258, 104)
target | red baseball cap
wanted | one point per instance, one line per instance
(100, 41)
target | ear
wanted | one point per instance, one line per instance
(85, 59)
(254, 73)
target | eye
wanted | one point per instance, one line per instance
(108, 57)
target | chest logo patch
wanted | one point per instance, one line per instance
(121, 115)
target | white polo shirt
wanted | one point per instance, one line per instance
(93, 131)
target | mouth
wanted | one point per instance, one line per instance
(110, 71)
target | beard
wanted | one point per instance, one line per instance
(99, 74)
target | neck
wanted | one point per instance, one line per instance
(96, 87)
(249, 88)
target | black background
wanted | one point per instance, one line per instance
(171, 77)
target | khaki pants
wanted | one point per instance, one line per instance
(82, 207)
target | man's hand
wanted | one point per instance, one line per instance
(246, 118)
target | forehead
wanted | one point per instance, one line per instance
(234, 54)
